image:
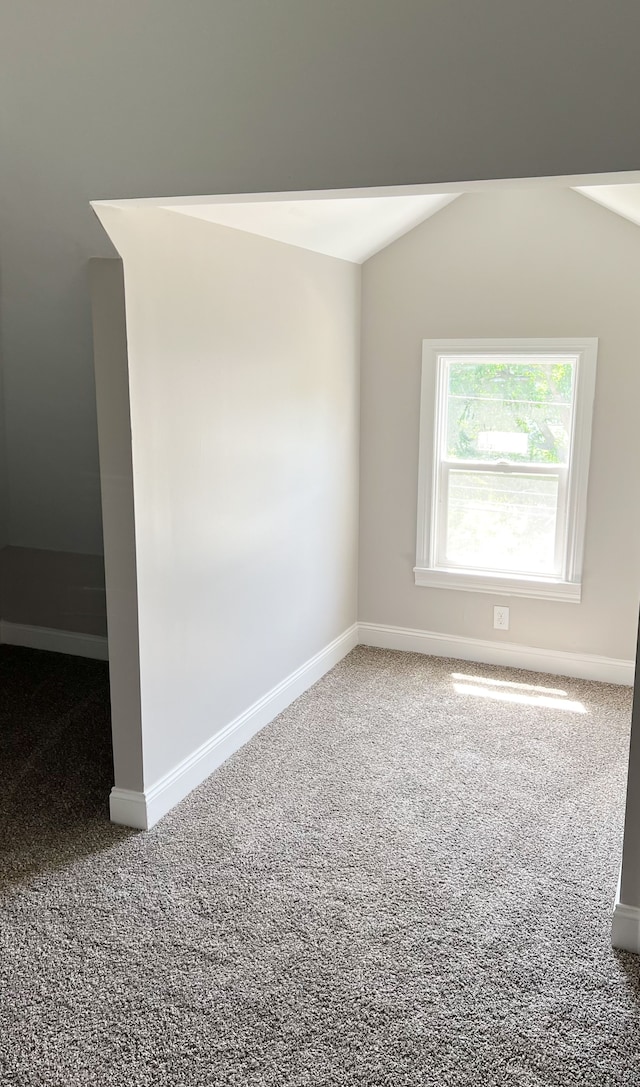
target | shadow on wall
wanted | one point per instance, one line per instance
(55, 590)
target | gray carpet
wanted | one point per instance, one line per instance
(406, 879)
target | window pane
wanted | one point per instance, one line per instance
(520, 412)
(500, 521)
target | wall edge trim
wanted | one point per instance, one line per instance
(625, 927)
(128, 808)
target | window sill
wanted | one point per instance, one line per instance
(499, 584)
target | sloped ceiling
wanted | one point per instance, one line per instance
(352, 229)
(622, 199)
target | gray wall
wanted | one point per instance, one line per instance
(4, 482)
(630, 873)
(58, 590)
(114, 430)
(4, 488)
(153, 97)
(244, 402)
(529, 263)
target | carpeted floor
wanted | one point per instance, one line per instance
(407, 879)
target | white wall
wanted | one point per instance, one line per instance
(533, 263)
(155, 97)
(243, 379)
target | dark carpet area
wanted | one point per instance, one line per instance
(407, 879)
(55, 761)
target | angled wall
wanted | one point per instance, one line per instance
(243, 363)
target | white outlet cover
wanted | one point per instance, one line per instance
(500, 617)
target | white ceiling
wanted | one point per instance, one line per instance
(353, 228)
(355, 224)
(623, 199)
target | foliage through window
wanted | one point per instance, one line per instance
(507, 484)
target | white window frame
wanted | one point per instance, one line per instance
(432, 470)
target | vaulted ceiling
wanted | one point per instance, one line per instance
(623, 199)
(351, 226)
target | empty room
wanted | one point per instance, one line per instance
(319, 595)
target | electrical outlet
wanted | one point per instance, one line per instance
(500, 618)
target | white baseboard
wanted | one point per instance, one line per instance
(509, 654)
(625, 929)
(128, 808)
(54, 641)
(142, 810)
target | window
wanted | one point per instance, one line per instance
(505, 432)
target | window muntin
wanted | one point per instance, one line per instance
(503, 487)
(508, 422)
(501, 521)
(517, 408)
